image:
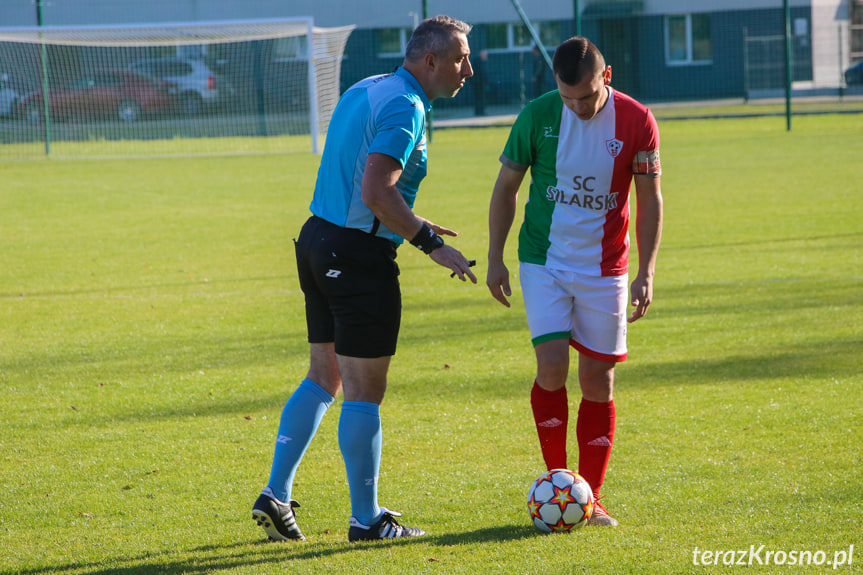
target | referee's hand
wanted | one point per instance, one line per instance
(451, 258)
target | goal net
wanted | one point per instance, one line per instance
(200, 88)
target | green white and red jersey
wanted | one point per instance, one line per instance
(577, 213)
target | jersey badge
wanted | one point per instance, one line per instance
(613, 146)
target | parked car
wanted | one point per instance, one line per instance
(197, 84)
(854, 74)
(8, 98)
(117, 94)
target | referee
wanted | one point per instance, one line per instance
(373, 162)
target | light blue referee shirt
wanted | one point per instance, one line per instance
(383, 114)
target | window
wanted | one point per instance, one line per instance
(392, 41)
(551, 33)
(687, 39)
(107, 80)
(81, 83)
(497, 36)
(516, 37)
(520, 36)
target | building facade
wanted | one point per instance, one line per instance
(659, 50)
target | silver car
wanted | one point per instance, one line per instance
(8, 98)
(198, 86)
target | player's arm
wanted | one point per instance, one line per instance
(648, 232)
(501, 214)
(380, 195)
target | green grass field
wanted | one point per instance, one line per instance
(151, 328)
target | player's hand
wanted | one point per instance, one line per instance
(641, 292)
(451, 258)
(497, 280)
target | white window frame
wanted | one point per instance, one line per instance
(404, 37)
(510, 38)
(548, 45)
(689, 60)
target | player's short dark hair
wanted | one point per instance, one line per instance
(433, 36)
(576, 58)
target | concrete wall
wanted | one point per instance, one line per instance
(830, 42)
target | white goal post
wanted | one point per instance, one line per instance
(187, 88)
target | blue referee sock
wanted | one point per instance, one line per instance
(360, 442)
(300, 420)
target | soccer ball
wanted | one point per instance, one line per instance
(559, 500)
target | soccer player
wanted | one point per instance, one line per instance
(583, 144)
(373, 162)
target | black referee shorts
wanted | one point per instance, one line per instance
(350, 281)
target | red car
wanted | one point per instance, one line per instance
(120, 95)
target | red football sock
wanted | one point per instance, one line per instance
(551, 414)
(595, 432)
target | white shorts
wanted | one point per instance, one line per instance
(589, 311)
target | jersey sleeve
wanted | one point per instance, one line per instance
(646, 161)
(520, 152)
(399, 124)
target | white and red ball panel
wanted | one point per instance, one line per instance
(559, 500)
